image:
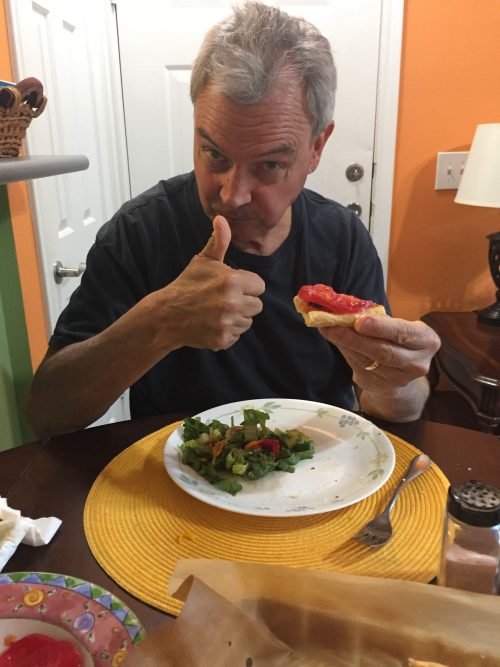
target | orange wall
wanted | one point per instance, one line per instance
(438, 251)
(24, 238)
(450, 82)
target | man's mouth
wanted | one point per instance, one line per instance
(233, 217)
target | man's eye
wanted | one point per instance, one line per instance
(214, 155)
(272, 166)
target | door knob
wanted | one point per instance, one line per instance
(354, 172)
(61, 271)
(357, 208)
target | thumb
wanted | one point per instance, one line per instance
(218, 243)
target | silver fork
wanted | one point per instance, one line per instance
(378, 531)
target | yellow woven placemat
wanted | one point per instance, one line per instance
(138, 524)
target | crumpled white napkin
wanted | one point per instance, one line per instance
(15, 528)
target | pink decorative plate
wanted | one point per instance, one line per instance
(65, 607)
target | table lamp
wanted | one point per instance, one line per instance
(480, 186)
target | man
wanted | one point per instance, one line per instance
(187, 295)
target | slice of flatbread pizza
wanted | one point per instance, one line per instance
(321, 306)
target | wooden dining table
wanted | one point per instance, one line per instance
(53, 476)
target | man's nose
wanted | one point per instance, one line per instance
(236, 189)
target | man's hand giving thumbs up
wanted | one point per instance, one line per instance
(215, 304)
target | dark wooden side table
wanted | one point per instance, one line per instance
(469, 358)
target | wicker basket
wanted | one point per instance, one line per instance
(14, 121)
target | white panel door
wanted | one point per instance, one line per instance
(71, 46)
(158, 43)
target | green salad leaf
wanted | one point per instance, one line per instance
(222, 453)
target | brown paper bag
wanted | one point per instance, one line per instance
(210, 631)
(241, 614)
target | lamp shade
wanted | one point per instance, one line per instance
(480, 182)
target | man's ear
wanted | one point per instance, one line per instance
(318, 145)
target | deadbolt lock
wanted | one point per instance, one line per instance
(354, 172)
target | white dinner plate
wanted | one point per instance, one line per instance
(353, 458)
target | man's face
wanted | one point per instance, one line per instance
(251, 162)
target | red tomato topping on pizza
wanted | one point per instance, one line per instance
(326, 298)
(37, 650)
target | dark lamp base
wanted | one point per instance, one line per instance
(491, 314)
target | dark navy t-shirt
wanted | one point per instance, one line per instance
(151, 240)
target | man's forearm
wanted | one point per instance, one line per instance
(59, 402)
(208, 306)
(74, 386)
(402, 405)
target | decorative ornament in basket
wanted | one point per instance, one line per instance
(19, 104)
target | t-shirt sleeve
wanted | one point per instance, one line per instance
(112, 283)
(364, 276)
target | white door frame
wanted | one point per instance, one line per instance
(384, 153)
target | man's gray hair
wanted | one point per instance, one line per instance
(242, 55)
